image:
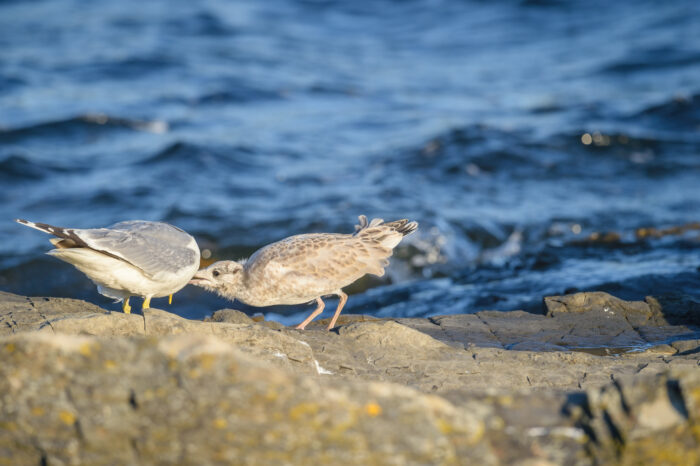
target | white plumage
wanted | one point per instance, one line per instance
(133, 258)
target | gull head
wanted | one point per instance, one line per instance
(223, 277)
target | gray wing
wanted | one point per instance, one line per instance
(158, 249)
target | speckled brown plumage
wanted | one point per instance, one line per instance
(304, 268)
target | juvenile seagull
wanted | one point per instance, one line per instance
(304, 268)
(133, 258)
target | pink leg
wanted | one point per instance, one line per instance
(317, 311)
(341, 303)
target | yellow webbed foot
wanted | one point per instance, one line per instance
(125, 306)
(146, 303)
(170, 299)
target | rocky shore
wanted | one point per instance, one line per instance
(592, 380)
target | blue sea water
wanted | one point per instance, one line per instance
(544, 146)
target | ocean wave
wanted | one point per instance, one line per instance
(180, 155)
(202, 23)
(15, 167)
(476, 151)
(9, 83)
(235, 93)
(129, 68)
(656, 58)
(82, 126)
(679, 113)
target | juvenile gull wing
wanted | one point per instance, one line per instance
(158, 249)
(324, 262)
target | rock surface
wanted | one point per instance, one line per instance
(82, 385)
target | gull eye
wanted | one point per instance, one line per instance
(216, 273)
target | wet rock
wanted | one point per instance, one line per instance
(685, 347)
(652, 320)
(595, 322)
(651, 232)
(521, 330)
(639, 311)
(676, 309)
(607, 238)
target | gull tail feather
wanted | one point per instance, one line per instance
(67, 234)
(50, 229)
(402, 226)
(45, 227)
(379, 240)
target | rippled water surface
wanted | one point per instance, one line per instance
(544, 147)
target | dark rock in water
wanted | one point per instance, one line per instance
(650, 321)
(81, 385)
(677, 308)
(595, 301)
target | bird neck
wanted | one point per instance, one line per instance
(241, 289)
(230, 288)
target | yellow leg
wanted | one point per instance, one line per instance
(125, 306)
(170, 299)
(146, 303)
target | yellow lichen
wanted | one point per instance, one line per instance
(109, 364)
(505, 400)
(695, 430)
(303, 410)
(270, 395)
(444, 426)
(85, 349)
(220, 423)
(340, 426)
(224, 405)
(37, 411)
(652, 450)
(67, 417)
(207, 361)
(373, 409)
(8, 426)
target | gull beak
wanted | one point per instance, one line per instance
(201, 278)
